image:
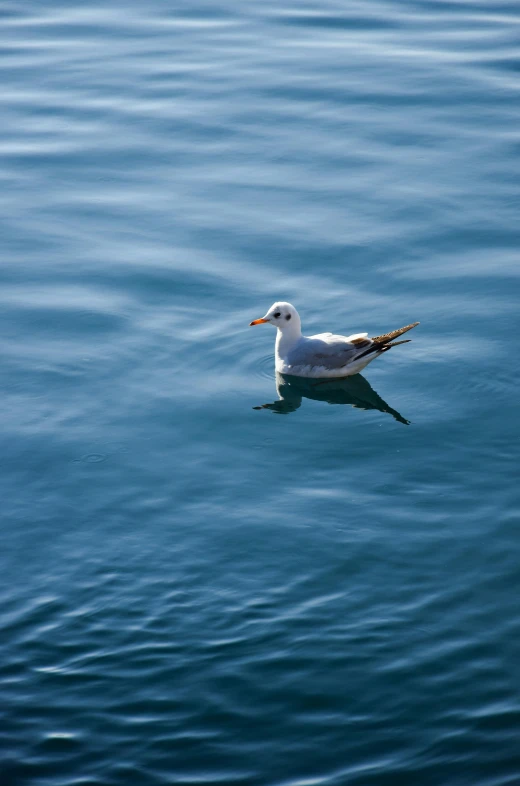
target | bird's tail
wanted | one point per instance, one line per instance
(387, 337)
(385, 347)
(383, 343)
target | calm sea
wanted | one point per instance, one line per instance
(194, 590)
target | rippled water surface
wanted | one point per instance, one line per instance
(196, 588)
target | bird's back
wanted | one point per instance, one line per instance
(323, 350)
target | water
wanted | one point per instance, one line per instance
(197, 589)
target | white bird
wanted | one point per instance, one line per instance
(324, 355)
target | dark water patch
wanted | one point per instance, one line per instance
(346, 21)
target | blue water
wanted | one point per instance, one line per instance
(195, 588)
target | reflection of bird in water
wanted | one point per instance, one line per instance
(355, 391)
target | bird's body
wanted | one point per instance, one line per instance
(325, 355)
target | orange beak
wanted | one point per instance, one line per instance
(257, 322)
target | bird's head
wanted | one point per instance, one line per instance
(282, 315)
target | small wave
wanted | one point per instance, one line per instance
(262, 367)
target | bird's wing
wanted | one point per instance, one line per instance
(328, 336)
(327, 350)
(356, 335)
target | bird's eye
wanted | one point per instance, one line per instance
(288, 317)
(276, 315)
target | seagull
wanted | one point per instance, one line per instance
(324, 356)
